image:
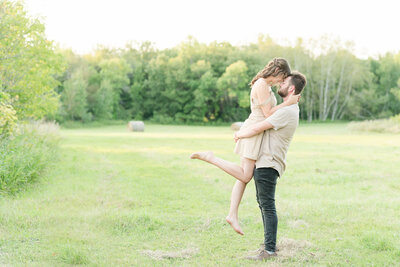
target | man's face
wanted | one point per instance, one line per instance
(284, 88)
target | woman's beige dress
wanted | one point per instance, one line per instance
(250, 147)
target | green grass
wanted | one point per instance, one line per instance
(25, 157)
(117, 198)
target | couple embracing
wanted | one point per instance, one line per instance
(262, 143)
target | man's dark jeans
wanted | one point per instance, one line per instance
(265, 180)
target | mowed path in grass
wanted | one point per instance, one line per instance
(117, 198)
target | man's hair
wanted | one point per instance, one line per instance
(298, 80)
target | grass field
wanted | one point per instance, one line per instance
(116, 198)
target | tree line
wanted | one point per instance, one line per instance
(197, 82)
(192, 82)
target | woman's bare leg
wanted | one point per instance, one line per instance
(243, 173)
(236, 197)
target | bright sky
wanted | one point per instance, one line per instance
(82, 24)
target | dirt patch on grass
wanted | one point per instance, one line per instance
(160, 255)
(288, 247)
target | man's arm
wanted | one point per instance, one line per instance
(254, 130)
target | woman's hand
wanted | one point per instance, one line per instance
(235, 137)
(293, 99)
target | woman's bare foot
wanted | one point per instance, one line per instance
(206, 156)
(235, 225)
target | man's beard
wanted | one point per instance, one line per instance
(283, 92)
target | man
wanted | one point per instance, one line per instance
(279, 129)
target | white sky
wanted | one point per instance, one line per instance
(373, 25)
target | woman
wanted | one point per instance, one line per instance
(263, 105)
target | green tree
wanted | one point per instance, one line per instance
(205, 102)
(104, 101)
(139, 60)
(73, 97)
(233, 89)
(28, 63)
(388, 73)
(115, 71)
(396, 91)
(8, 118)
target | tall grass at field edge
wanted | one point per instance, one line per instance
(390, 125)
(25, 157)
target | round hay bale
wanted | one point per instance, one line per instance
(236, 125)
(136, 126)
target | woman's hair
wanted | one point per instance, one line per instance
(274, 68)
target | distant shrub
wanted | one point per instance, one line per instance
(391, 125)
(8, 118)
(24, 157)
(92, 124)
(396, 119)
(162, 118)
